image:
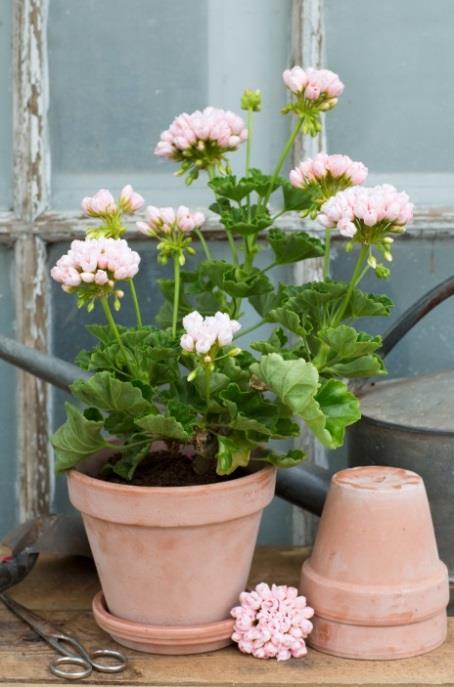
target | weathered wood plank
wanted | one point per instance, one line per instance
(31, 173)
(62, 591)
(32, 399)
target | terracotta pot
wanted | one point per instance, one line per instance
(171, 560)
(374, 577)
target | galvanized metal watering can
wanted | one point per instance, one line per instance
(406, 423)
(409, 423)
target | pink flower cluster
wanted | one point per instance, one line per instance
(313, 83)
(358, 207)
(164, 221)
(96, 261)
(190, 132)
(325, 166)
(103, 204)
(204, 332)
(272, 622)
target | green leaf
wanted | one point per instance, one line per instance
(287, 460)
(245, 221)
(296, 198)
(231, 188)
(265, 302)
(130, 459)
(218, 381)
(368, 305)
(289, 319)
(347, 343)
(83, 359)
(119, 423)
(366, 366)
(235, 281)
(274, 344)
(262, 182)
(76, 439)
(250, 412)
(163, 426)
(233, 451)
(291, 247)
(326, 411)
(351, 353)
(295, 382)
(103, 332)
(104, 391)
(339, 408)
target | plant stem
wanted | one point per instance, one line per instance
(356, 278)
(207, 390)
(232, 245)
(270, 267)
(250, 329)
(327, 254)
(283, 157)
(249, 140)
(203, 243)
(281, 212)
(176, 294)
(211, 175)
(114, 328)
(135, 302)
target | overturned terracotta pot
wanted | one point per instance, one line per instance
(172, 561)
(374, 577)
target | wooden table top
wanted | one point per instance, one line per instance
(61, 590)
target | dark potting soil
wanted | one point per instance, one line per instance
(164, 469)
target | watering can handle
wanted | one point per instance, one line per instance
(415, 313)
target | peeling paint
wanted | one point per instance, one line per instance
(30, 103)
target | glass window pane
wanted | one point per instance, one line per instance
(5, 105)
(8, 474)
(134, 66)
(396, 114)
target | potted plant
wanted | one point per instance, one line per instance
(171, 460)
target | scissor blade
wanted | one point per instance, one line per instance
(42, 627)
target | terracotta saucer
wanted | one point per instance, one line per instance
(162, 639)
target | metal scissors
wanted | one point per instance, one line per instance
(72, 652)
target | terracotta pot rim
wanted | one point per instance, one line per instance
(159, 635)
(103, 485)
(201, 504)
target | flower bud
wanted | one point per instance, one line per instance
(192, 375)
(372, 262)
(328, 105)
(251, 100)
(382, 272)
(234, 352)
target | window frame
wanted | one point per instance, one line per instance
(32, 225)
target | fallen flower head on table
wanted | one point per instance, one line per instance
(272, 622)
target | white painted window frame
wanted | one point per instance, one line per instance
(32, 225)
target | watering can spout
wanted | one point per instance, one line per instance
(305, 487)
(47, 367)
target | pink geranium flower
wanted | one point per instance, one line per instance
(323, 169)
(202, 333)
(200, 140)
(165, 221)
(96, 262)
(367, 213)
(272, 622)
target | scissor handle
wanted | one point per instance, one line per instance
(85, 667)
(120, 661)
(60, 643)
